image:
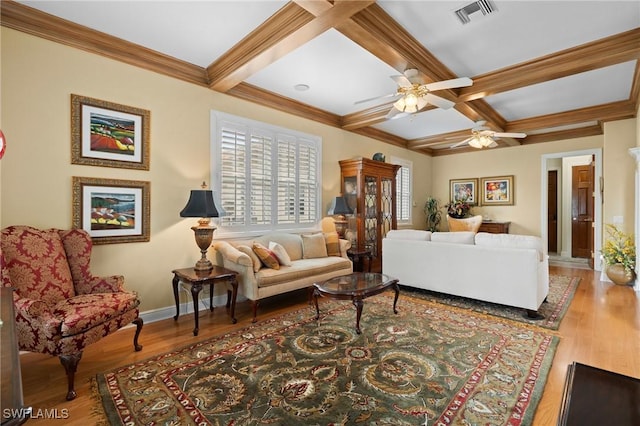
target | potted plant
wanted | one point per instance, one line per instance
(458, 208)
(433, 213)
(619, 253)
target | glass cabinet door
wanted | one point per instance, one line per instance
(371, 213)
(386, 206)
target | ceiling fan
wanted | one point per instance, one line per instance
(413, 95)
(484, 137)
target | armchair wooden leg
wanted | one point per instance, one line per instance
(70, 364)
(139, 323)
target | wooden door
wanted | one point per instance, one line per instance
(582, 185)
(552, 211)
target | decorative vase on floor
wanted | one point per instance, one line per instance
(619, 275)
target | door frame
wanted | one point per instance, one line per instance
(597, 210)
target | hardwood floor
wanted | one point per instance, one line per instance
(601, 328)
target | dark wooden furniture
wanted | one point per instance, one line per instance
(495, 227)
(11, 378)
(369, 187)
(358, 257)
(197, 279)
(356, 287)
(593, 396)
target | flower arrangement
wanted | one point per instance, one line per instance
(458, 208)
(619, 248)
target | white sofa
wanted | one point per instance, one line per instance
(256, 281)
(507, 269)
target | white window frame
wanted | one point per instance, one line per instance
(404, 197)
(298, 144)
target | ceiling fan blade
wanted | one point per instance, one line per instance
(402, 81)
(438, 101)
(449, 84)
(510, 135)
(394, 113)
(464, 142)
(391, 95)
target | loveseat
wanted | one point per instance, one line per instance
(506, 269)
(307, 258)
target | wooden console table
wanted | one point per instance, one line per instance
(495, 227)
(12, 401)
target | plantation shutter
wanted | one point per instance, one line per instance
(267, 177)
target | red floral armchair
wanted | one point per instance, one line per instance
(60, 307)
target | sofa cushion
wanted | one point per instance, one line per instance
(461, 237)
(302, 269)
(511, 241)
(280, 252)
(268, 258)
(409, 234)
(313, 246)
(332, 241)
(257, 264)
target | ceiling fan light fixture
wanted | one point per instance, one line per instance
(475, 143)
(400, 104)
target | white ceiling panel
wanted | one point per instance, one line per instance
(566, 94)
(195, 31)
(428, 123)
(337, 71)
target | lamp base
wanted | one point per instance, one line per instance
(204, 236)
(341, 225)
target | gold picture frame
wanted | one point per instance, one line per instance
(497, 191)
(464, 188)
(107, 134)
(112, 210)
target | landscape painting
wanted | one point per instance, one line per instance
(111, 211)
(108, 134)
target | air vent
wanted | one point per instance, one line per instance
(483, 6)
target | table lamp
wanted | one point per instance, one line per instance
(201, 205)
(341, 208)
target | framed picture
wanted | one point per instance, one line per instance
(112, 211)
(464, 189)
(109, 135)
(497, 191)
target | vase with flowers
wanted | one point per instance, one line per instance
(619, 253)
(458, 208)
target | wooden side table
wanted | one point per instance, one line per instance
(357, 256)
(495, 227)
(196, 279)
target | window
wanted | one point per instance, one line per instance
(403, 190)
(264, 177)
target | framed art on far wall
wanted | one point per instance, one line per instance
(464, 189)
(112, 211)
(497, 191)
(108, 134)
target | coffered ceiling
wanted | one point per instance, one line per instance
(551, 69)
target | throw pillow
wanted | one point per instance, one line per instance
(281, 253)
(267, 257)
(257, 264)
(332, 241)
(313, 246)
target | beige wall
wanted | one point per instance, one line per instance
(39, 76)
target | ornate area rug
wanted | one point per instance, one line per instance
(428, 365)
(561, 291)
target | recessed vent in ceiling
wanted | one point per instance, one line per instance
(484, 6)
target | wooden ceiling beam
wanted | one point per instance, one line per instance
(289, 28)
(601, 53)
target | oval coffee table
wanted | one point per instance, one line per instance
(357, 287)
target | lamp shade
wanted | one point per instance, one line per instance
(200, 204)
(341, 206)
